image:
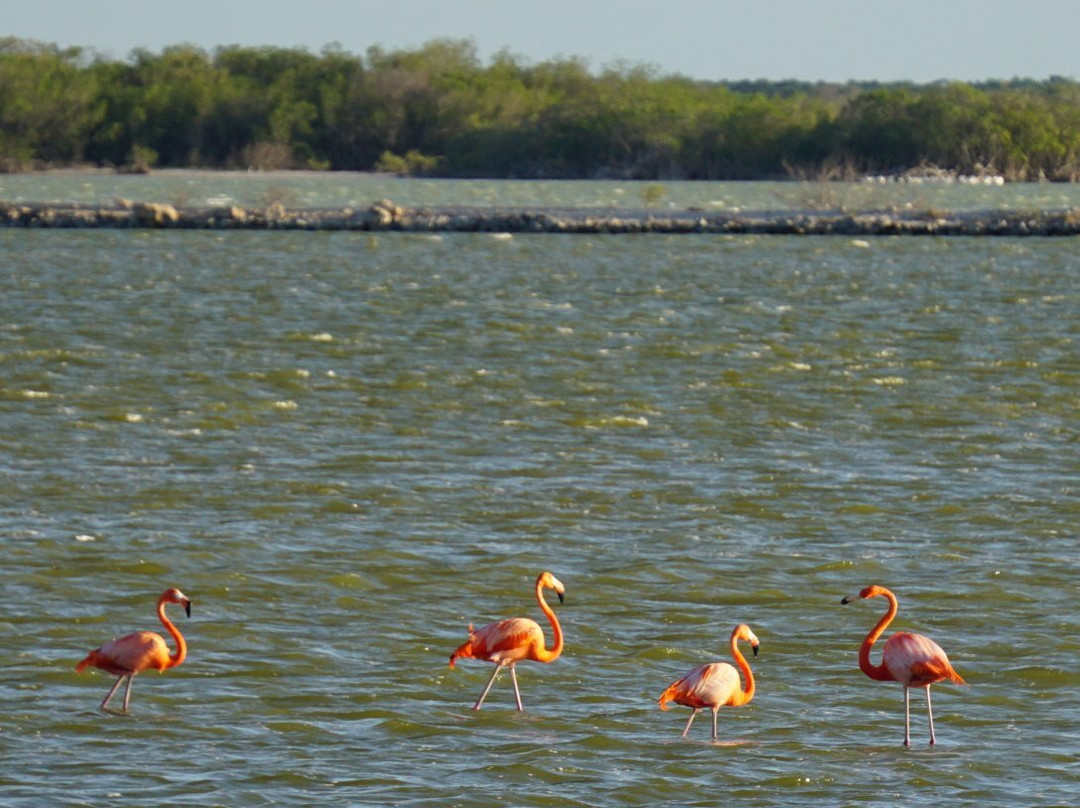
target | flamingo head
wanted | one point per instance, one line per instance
(176, 596)
(871, 591)
(549, 581)
(743, 632)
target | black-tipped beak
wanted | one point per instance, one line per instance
(561, 600)
(187, 607)
(845, 600)
(755, 647)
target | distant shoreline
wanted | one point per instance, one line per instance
(385, 216)
(104, 171)
(936, 176)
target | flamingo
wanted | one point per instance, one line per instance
(715, 684)
(910, 659)
(507, 642)
(143, 650)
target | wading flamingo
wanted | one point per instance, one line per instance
(716, 684)
(143, 650)
(507, 642)
(910, 659)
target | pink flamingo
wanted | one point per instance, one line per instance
(143, 650)
(507, 642)
(910, 659)
(716, 684)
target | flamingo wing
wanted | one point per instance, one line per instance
(917, 661)
(710, 685)
(132, 653)
(507, 640)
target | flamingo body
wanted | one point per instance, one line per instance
(143, 650)
(715, 684)
(133, 653)
(504, 641)
(507, 642)
(917, 661)
(910, 659)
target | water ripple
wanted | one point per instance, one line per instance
(346, 451)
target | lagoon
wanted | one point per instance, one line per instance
(346, 447)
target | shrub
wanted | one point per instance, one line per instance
(413, 164)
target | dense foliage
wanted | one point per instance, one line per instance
(439, 110)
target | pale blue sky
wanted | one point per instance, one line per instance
(831, 40)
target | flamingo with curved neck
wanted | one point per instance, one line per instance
(715, 684)
(507, 642)
(910, 659)
(144, 650)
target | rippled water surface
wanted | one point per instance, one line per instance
(345, 448)
(340, 189)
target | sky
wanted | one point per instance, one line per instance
(827, 40)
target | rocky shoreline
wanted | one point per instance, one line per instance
(385, 216)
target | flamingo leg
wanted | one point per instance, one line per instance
(127, 691)
(491, 681)
(689, 721)
(715, 710)
(517, 693)
(907, 716)
(930, 714)
(112, 690)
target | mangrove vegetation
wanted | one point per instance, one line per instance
(440, 111)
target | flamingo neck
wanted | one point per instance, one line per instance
(747, 693)
(549, 654)
(878, 672)
(181, 646)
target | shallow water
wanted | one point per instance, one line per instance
(344, 448)
(358, 190)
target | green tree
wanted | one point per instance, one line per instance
(438, 108)
(173, 97)
(48, 104)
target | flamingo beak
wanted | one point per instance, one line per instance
(754, 648)
(561, 600)
(187, 607)
(846, 600)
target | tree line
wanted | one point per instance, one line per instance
(438, 110)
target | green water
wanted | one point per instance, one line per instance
(346, 448)
(341, 189)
